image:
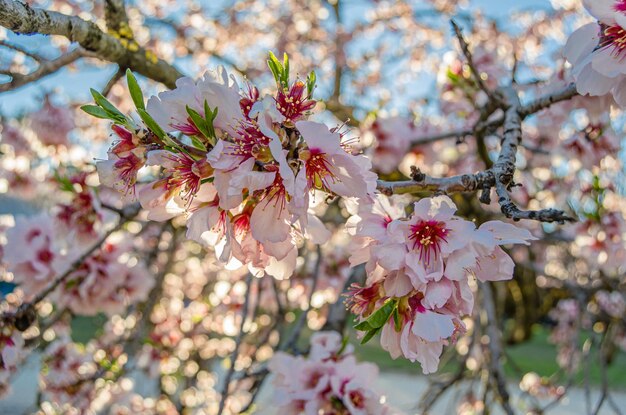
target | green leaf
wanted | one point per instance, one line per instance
(107, 106)
(96, 111)
(285, 77)
(369, 335)
(198, 144)
(396, 320)
(152, 125)
(210, 116)
(363, 326)
(381, 316)
(198, 121)
(275, 71)
(135, 90)
(310, 83)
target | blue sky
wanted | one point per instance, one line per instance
(76, 84)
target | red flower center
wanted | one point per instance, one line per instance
(614, 37)
(317, 168)
(620, 6)
(427, 237)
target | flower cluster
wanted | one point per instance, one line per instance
(38, 253)
(52, 124)
(417, 289)
(328, 381)
(239, 167)
(597, 51)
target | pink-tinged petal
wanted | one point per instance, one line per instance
(619, 93)
(589, 81)
(606, 63)
(206, 193)
(418, 271)
(268, 222)
(222, 156)
(289, 179)
(442, 208)
(507, 233)
(283, 269)
(318, 136)
(278, 250)
(603, 10)
(397, 284)
(429, 356)
(437, 293)
(246, 178)
(390, 256)
(495, 267)
(161, 158)
(581, 43)
(315, 230)
(390, 340)
(458, 236)
(218, 91)
(158, 202)
(432, 326)
(458, 264)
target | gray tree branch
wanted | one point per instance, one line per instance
(22, 18)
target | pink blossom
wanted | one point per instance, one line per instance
(52, 124)
(31, 253)
(596, 51)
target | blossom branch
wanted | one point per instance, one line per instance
(22, 18)
(21, 50)
(470, 62)
(504, 167)
(25, 315)
(500, 175)
(548, 100)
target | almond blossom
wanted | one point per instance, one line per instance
(417, 289)
(329, 380)
(243, 170)
(597, 50)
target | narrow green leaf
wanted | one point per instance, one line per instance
(381, 316)
(106, 105)
(198, 144)
(369, 335)
(275, 60)
(285, 70)
(310, 83)
(396, 320)
(152, 125)
(198, 121)
(135, 90)
(275, 71)
(363, 326)
(96, 111)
